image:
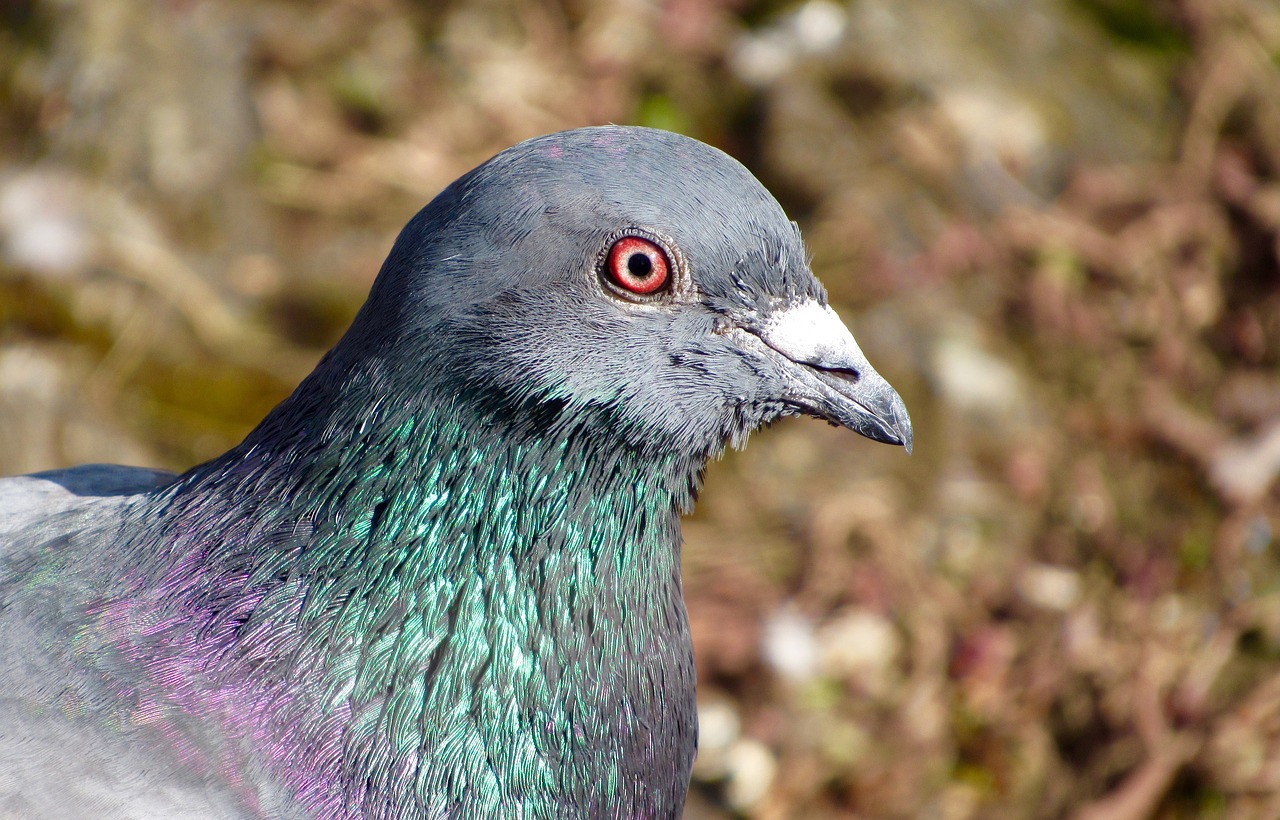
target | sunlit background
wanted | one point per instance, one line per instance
(1054, 225)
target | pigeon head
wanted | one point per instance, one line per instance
(443, 577)
(624, 275)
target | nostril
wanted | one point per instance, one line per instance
(846, 374)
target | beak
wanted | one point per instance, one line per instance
(829, 375)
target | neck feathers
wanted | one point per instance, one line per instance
(423, 613)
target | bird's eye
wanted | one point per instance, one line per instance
(638, 265)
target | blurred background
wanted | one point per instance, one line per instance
(1054, 225)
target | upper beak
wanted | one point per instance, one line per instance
(830, 376)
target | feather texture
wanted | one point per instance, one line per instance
(442, 579)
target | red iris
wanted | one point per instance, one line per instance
(638, 265)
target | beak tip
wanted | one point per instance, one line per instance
(902, 425)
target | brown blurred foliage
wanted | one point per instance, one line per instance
(1054, 224)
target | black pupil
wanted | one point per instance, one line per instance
(640, 265)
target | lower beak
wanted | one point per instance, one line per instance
(829, 375)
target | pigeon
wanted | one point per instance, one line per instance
(442, 578)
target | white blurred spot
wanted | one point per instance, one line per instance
(1050, 587)
(861, 645)
(759, 59)
(818, 26)
(996, 127)
(789, 646)
(42, 227)
(718, 730)
(751, 771)
(973, 379)
(1244, 469)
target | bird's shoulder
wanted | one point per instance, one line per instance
(76, 740)
(35, 500)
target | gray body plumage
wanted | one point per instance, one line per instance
(442, 578)
(66, 749)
